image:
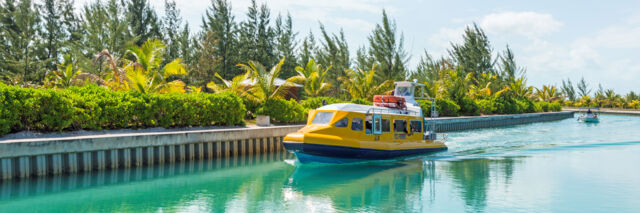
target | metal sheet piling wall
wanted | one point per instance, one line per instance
(477, 122)
(25, 158)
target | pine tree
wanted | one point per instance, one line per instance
(171, 29)
(257, 36)
(118, 34)
(508, 68)
(333, 51)
(102, 27)
(568, 90)
(307, 49)
(387, 50)
(218, 25)
(286, 45)
(208, 59)
(21, 29)
(185, 46)
(59, 24)
(583, 88)
(428, 69)
(143, 21)
(474, 55)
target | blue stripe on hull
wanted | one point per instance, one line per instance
(340, 154)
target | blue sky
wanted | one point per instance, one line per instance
(553, 40)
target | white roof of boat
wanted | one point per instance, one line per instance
(360, 108)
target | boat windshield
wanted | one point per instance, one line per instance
(322, 118)
(404, 91)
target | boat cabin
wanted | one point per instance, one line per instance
(360, 122)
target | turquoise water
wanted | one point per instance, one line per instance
(561, 166)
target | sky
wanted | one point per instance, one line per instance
(552, 40)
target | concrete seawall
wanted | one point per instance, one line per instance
(608, 111)
(477, 122)
(53, 156)
(24, 158)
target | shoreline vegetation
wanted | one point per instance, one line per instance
(117, 64)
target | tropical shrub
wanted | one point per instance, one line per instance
(555, 107)
(485, 106)
(445, 107)
(283, 111)
(468, 106)
(543, 106)
(525, 106)
(505, 105)
(94, 108)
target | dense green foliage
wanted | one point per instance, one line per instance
(132, 54)
(283, 111)
(445, 107)
(93, 107)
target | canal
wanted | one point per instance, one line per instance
(559, 166)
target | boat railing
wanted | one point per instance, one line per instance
(377, 110)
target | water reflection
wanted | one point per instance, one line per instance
(383, 186)
(566, 166)
(473, 175)
(208, 184)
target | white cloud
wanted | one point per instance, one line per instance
(530, 24)
(442, 40)
(342, 13)
(605, 56)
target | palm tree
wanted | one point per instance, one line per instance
(364, 84)
(237, 85)
(264, 82)
(483, 86)
(68, 74)
(313, 77)
(548, 93)
(518, 87)
(612, 99)
(585, 101)
(65, 75)
(457, 84)
(117, 78)
(434, 89)
(144, 73)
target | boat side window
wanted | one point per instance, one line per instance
(342, 122)
(416, 126)
(386, 125)
(322, 118)
(368, 125)
(356, 124)
(400, 126)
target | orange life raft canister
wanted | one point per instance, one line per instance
(389, 101)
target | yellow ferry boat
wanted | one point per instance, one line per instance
(393, 127)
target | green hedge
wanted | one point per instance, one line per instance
(283, 111)
(95, 108)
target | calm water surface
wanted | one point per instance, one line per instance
(561, 166)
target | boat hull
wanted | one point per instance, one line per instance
(589, 120)
(309, 152)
